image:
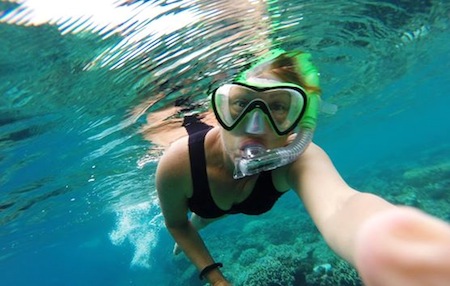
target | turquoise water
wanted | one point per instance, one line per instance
(80, 84)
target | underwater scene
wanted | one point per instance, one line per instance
(93, 92)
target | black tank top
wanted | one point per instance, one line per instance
(261, 199)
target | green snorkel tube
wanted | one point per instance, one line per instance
(257, 159)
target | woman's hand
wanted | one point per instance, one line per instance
(404, 246)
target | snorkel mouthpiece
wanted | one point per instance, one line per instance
(253, 151)
(256, 159)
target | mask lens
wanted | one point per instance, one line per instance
(284, 106)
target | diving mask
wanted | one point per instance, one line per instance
(282, 104)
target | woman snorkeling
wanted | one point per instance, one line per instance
(260, 149)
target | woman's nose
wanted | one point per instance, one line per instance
(255, 124)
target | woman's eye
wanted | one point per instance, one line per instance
(278, 107)
(240, 103)
(237, 106)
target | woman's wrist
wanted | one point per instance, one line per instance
(209, 268)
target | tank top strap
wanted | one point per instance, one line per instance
(197, 160)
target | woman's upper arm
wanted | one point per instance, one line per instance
(319, 185)
(172, 183)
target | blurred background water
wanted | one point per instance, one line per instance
(88, 90)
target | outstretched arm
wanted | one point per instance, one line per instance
(172, 179)
(345, 217)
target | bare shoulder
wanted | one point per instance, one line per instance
(314, 151)
(173, 167)
(314, 159)
(314, 171)
(173, 183)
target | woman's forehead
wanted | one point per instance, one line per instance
(241, 91)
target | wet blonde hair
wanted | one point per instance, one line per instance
(291, 67)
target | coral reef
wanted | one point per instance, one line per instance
(423, 184)
(270, 271)
(341, 273)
